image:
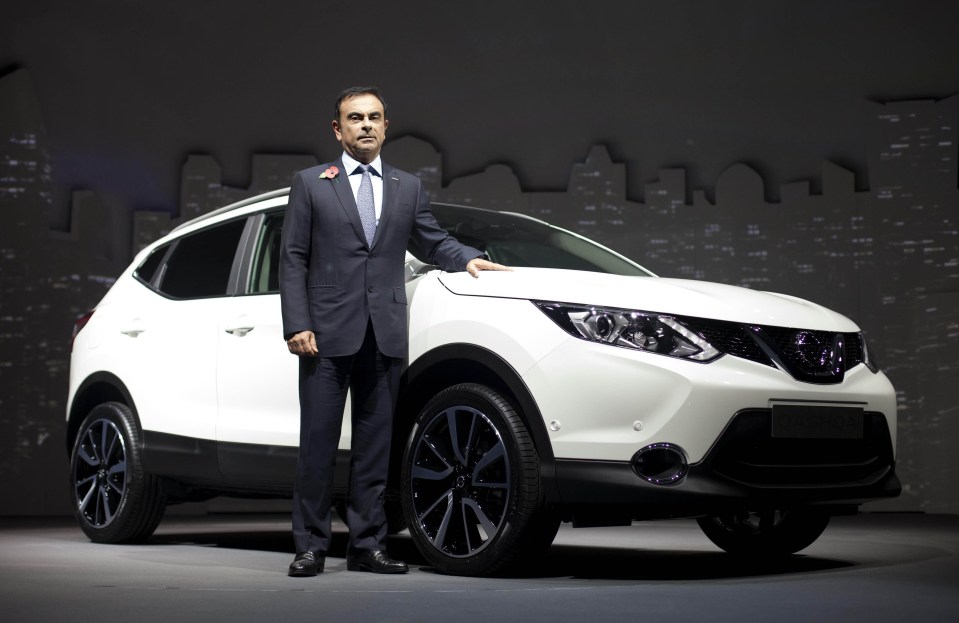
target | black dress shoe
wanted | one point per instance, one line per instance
(374, 561)
(306, 564)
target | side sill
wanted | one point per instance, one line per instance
(176, 456)
(230, 468)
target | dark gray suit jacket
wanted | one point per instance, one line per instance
(332, 283)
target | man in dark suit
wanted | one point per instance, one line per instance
(342, 287)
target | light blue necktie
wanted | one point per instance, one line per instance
(364, 203)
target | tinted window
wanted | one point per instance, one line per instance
(266, 261)
(518, 241)
(200, 264)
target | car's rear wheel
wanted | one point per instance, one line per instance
(766, 533)
(114, 500)
(471, 489)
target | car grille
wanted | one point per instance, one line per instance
(747, 453)
(732, 339)
(819, 357)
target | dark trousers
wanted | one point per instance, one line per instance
(373, 381)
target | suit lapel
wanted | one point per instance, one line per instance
(391, 186)
(344, 192)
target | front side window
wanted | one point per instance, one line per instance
(264, 278)
(200, 264)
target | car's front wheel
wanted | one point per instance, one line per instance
(471, 489)
(766, 533)
(114, 500)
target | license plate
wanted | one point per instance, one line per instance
(817, 422)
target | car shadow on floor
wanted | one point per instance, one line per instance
(596, 562)
(562, 560)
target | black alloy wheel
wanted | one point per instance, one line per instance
(471, 489)
(114, 501)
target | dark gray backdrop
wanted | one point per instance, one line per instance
(755, 143)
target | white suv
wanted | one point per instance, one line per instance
(579, 387)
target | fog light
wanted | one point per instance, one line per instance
(660, 463)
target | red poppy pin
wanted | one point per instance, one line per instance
(330, 173)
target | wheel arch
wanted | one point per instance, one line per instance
(96, 389)
(467, 363)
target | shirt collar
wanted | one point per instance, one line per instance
(350, 163)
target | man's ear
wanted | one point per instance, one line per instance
(336, 129)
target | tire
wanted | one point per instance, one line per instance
(113, 499)
(470, 484)
(766, 534)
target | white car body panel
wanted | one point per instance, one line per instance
(131, 334)
(674, 401)
(257, 403)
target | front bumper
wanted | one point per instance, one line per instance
(605, 403)
(747, 469)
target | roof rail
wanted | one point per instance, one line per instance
(235, 206)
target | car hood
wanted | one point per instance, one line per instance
(652, 294)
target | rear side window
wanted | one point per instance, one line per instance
(200, 264)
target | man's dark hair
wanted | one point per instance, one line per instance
(353, 92)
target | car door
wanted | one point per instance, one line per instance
(169, 331)
(257, 378)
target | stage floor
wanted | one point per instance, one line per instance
(873, 567)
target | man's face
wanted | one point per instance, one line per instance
(361, 128)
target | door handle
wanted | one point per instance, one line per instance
(136, 328)
(240, 331)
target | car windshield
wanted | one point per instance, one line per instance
(515, 240)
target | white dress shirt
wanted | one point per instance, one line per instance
(376, 176)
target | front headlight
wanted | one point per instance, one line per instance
(638, 330)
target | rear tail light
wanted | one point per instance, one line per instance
(79, 324)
